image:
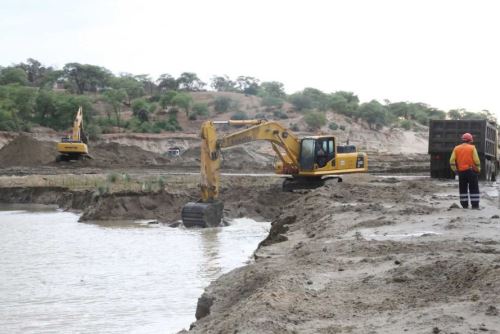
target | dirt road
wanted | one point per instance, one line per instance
(369, 255)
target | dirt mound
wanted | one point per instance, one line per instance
(30, 152)
(245, 158)
(26, 151)
(116, 155)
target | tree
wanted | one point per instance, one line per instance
(167, 82)
(147, 83)
(247, 85)
(345, 103)
(315, 119)
(273, 89)
(17, 106)
(190, 82)
(222, 84)
(13, 75)
(128, 83)
(115, 98)
(318, 99)
(58, 110)
(37, 74)
(183, 101)
(374, 113)
(455, 114)
(86, 78)
(300, 101)
(166, 99)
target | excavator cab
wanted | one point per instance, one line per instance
(316, 152)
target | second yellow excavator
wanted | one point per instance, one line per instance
(308, 161)
(74, 147)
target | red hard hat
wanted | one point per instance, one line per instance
(467, 137)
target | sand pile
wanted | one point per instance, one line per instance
(245, 158)
(114, 154)
(29, 152)
(26, 151)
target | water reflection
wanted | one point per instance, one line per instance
(61, 276)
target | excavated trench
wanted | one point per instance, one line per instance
(258, 198)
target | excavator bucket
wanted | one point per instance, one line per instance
(199, 214)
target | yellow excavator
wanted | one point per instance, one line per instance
(74, 146)
(307, 161)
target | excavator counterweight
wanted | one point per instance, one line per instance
(307, 161)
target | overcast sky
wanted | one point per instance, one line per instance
(444, 53)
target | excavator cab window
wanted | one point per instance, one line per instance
(307, 154)
(324, 151)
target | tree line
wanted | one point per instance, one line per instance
(34, 94)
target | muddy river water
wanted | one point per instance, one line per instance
(61, 276)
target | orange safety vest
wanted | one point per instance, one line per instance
(464, 155)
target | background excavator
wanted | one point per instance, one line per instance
(74, 146)
(308, 161)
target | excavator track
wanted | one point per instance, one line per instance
(298, 183)
(199, 214)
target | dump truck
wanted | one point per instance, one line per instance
(444, 135)
(305, 162)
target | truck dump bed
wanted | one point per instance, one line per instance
(444, 135)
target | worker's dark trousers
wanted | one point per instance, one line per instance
(468, 186)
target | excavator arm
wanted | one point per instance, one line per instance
(208, 212)
(77, 125)
(285, 144)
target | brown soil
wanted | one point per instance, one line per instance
(337, 260)
(26, 151)
(263, 202)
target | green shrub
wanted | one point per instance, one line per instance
(294, 127)
(333, 126)
(342, 127)
(406, 124)
(239, 116)
(200, 108)
(93, 131)
(280, 114)
(102, 189)
(192, 117)
(162, 182)
(271, 101)
(112, 177)
(315, 119)
(260, 115)
(222, 104)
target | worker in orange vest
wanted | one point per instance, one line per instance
(465, 161)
